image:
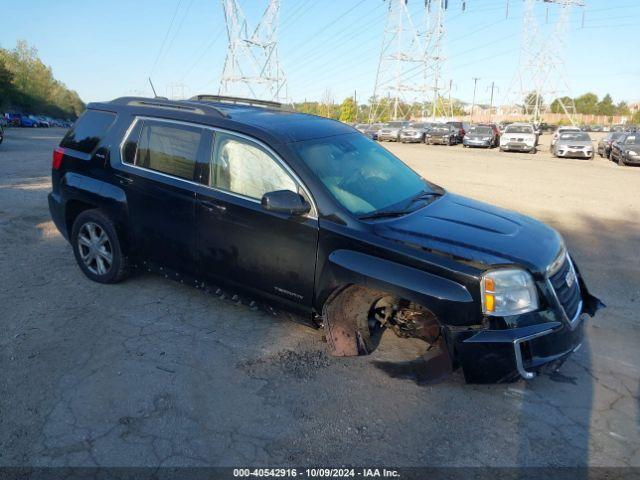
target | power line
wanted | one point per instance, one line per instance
(166, 35)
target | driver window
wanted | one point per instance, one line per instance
(243, 167)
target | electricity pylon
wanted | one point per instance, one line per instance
(434, 35)
(541, 76)
(402, 52)
(410, 68)
(251, 68)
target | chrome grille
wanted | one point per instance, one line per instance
(569, 296)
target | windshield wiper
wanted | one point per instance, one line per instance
(383, 214)
(424, 195)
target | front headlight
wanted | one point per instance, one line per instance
(632, 152)
(508, 291)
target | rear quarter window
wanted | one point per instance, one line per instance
(87, 132)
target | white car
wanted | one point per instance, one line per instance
(558, 132)
(519, 137)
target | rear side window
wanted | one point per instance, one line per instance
(87, 132)
(167, 148)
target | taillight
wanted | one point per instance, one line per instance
(58, 153)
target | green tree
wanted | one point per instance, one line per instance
(6, 83)
(559, 104)
(348, 111)
(530, 102)
(33, 88)
(636, 118)
(587, 104)
(606, 106)
(623, 109)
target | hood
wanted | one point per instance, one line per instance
(478, 136)
(475, 231)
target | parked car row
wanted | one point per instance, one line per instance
(449, 133)
(33, 121)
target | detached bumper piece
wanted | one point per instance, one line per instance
(494, 356)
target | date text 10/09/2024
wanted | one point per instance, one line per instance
(316, 472)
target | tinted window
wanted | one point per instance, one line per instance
(518, 129)
(481, 130)
(87, 132)
(168, 148)
(632, 140)
(131, 144)
(243, 167)
(361, 175)
(575, 136)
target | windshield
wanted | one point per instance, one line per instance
(481, 130)
(632, 140)
(418, 125)
(519, 129)
(361, 175)
(442, 128)
(581, 136)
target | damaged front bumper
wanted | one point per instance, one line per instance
(535, 340)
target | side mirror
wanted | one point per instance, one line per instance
(285, 201)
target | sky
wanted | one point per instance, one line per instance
(106, 49)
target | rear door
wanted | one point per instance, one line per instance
(159, 159)
(272, 254)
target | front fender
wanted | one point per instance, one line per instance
(450, 301)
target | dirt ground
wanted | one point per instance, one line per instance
(153, 373)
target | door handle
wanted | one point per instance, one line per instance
(211, 206)
(123, 180)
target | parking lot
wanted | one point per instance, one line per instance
(150, 372)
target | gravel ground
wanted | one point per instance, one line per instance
(153, 373)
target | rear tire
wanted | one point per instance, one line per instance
(621, 161)
(97, 249)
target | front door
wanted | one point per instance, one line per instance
(239, 242)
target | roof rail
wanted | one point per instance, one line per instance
(236, 100)
(163, 102)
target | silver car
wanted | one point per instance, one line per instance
(558, 132)
(414, 133)
(573, 144)
(390, 131)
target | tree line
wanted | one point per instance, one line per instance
(350, 111)
(28, 86)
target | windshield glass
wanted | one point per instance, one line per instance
(481, 130)
(519, 129)
(581, 136)
(361, 175)
(632, 140)
(418, 125)
(440, 128)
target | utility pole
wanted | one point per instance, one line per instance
(493, 87)
(355, 102)
(473, 102)
(251, 68)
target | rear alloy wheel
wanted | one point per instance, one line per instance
(97, 248)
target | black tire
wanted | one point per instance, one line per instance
(621, 161)
(533, 151)
(92, 253)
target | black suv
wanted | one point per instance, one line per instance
(307, 215)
